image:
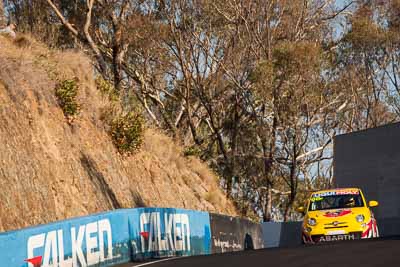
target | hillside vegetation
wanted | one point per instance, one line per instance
(52, 168)
(256, 89)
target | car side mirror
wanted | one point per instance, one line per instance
(301, 210)
(373, 203)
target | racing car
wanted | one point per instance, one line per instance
(336, 215)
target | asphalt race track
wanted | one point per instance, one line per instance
(363, 253)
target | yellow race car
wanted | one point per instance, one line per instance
(338, 214)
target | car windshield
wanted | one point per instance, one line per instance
(335, 200)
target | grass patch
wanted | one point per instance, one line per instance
(212, 197)
(23, 42)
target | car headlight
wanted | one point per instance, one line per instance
(360, 218)
(312, 222)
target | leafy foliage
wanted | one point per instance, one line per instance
(107, 89)
(127, 132)
(260, 88)
(66, 93)
(192, 151)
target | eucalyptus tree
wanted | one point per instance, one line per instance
(257, 88)
(2, 15)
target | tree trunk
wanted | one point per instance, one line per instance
(286, 215)
(268, 165)
(3, 19)
(267, 216)
(117, 54)
(293, 182)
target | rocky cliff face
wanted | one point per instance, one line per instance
(52, 170)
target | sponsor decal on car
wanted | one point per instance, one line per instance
(337, 213)
(314, 199)
(330, 238)
(336, 193)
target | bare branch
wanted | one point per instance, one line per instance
(63, 20)
(338, 12)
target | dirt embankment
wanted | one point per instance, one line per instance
(51, 170)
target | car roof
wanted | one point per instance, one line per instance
(336, 189)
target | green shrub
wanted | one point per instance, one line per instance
(192, 151)
(127, 131)
(66, 93)
(107, 89)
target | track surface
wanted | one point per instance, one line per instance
(364, 253)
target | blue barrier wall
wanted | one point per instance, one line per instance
(109, 238)
(99, 240)
(160, 232)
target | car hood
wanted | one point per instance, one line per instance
(338, 214)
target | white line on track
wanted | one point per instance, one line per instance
(154, 262)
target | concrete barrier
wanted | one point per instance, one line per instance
(161, 232)
(101, 239)
(281, 234)
(127, 235)
(369, 160)
(234, 234)
(109, 238)
(388, 227)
